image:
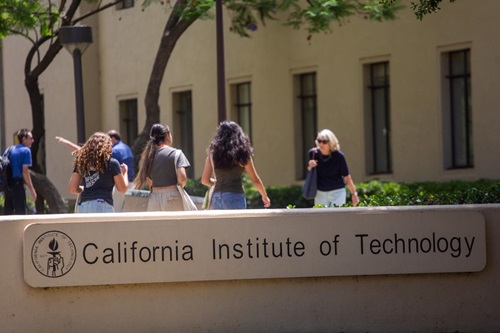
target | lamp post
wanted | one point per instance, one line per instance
(221, 74)
(76, 39)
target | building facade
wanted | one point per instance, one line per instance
(409, 100)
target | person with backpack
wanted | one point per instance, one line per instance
(20, 161)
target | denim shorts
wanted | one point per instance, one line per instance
(95, 206)
(228, 200)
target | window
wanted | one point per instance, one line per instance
(457, 110)
(242, 110)
(125, 4)
(305, 119)
(183, 126)
(128, 120)
(377, 118)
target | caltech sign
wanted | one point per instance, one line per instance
(274, 245)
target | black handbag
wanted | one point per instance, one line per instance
(311, 183)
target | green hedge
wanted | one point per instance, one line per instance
(376, 193)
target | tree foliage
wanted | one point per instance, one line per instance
(422, 7)
(39, 22)
(20, 17)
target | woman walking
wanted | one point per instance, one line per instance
(229, 155)
(95, 174)
(333, 173)
(157, 169)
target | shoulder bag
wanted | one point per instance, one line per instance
(187, 202)
(311, 183)
(207, 201)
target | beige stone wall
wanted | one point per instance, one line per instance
(120, 60)
(465, 302)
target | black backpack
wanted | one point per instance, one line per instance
(5, 171)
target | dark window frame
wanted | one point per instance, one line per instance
(129, 125)
(125, 4)
(465, 77)
(240, 105)
(305, 97)
(374, 87)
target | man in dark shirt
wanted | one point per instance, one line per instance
(123, 154)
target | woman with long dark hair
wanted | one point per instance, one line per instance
(157, 168)
(95, 174)
(229, 155)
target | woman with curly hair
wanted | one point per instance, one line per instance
(94, 175)
(229, 155)
(157, 168)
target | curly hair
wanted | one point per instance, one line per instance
(94, 155)
(230, 146)
(157, 135)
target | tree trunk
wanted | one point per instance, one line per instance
(38, 117)
(45, 189)
(173, 30)
(37, 114)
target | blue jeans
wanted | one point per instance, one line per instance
(95, 206)
(229, 200)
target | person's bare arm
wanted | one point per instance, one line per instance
(181, 176)
(74, 147)
(121, 180)
(257, 182)
(74, 184)
(206, 177)
(354, 195)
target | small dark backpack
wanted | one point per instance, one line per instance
(5, 171)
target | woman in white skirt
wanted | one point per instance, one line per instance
(333, 173)
(157, 168)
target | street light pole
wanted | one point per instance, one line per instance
(76, 39)
(80, 113)
(221, 74)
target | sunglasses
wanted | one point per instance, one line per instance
(322, 141)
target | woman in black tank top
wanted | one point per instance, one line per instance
(228, 156)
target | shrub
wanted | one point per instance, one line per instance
(377, 193)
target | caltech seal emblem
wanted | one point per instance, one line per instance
(53, 254)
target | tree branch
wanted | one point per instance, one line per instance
(95, 11)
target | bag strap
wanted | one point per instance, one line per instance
(213, 168)
(314, 151)
(176, 154)
(9, 150)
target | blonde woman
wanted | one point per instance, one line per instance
(157, 168)
(95, 174)
(333, 173)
